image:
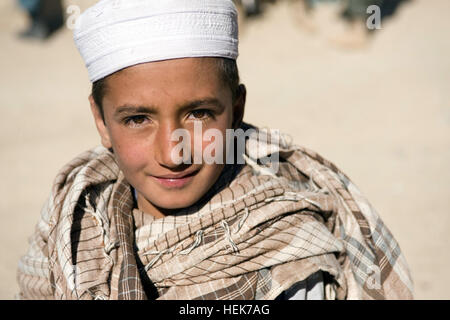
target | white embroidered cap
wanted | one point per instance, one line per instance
(115, 34)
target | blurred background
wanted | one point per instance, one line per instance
(374, 102)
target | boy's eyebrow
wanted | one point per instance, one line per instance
(131, 109)
(135, 109)
(202, 103)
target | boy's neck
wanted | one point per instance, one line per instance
(148, 208)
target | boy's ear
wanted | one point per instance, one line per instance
(239, 106)
(100, 124)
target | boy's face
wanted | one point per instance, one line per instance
(143, 105)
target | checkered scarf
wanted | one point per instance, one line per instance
(254, 235)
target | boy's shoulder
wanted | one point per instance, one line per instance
(95, 165)
(268, 146)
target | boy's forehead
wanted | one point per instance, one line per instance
(175, 82)
(193, 73)
(180, 65)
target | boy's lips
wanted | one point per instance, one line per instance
(175, 180)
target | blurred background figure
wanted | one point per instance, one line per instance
(353, 28)
(357, 9)
(247, 9)
(251, 7)
(356, 13)
(45, 16)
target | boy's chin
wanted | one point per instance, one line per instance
(174, 204)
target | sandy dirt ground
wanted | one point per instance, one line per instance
(381, 113)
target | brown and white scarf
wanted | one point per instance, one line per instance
(253, 236)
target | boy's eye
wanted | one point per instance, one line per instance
(200, 114)
(135, 121)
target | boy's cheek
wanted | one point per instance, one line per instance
(131, 156)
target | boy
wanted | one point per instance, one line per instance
(230, 212)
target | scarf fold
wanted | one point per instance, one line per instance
(256, 235)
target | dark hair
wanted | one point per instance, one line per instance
(228, 71)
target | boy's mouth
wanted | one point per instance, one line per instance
(176, 180)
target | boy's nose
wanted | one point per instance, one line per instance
(164, 147)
